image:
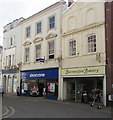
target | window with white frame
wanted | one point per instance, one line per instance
(28, 32)
(38, 52)
(38, 28)
(13, 62)
(51, 49)
(26, 54)
(91, 43)
(11, 42)
(72, 47)
(52, 22)
(9, 60)
(6, 60)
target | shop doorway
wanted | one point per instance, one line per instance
(70, 91)
(40, 87)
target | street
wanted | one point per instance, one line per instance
(36, 107)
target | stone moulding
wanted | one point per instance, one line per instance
(27, 43)
(37, 39)
(51, 35)
(83, 29)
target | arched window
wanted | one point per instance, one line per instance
(91, 43)
(72, 47)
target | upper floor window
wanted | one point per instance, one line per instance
(72, 47)
(28, 32)
(51, 49)
(38, 28)
(38, 52)
(9, 60)
(6, 60)
(26, 54)
(11, 42)
(13, 57)
(92, 43)
(51, 22)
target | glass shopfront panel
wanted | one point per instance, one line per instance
(75, 86)
(43, 79)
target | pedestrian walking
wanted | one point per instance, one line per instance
(18, 91)
(96, 98)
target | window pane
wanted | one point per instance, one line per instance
(92, 43)
(39, 27)
(52, 22)
(51, 49)
(28, 32)
(38, 52)
(72, 47)
(26, 54)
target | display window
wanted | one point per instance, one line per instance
(74, 87)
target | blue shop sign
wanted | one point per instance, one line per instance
(9, 72)
(42, 74)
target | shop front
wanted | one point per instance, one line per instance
(44, 80)
(85, 79)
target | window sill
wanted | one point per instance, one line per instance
(50, 29)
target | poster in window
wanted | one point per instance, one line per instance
(52, 87)
(25, 86)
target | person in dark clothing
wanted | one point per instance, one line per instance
(18, 91)
(97, 97)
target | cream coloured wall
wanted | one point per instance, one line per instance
(79, 21)
(82, 27)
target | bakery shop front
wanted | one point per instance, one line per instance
(76, 80)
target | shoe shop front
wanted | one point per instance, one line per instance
(41, 79)
(76, 80)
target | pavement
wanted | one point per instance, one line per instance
(103, 109)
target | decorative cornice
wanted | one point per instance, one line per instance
(83, 29)
(51, 35)
(27, 43)
(37, 39)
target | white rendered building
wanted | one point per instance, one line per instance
(1, 65)
(41, 50)
(11, 55)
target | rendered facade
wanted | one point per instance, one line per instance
(1, 48)
(65, 50)
(11, 56)
(41, 50)
(83, 51)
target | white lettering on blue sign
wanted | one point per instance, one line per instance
(37, 75)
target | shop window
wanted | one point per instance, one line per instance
(52, 89)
